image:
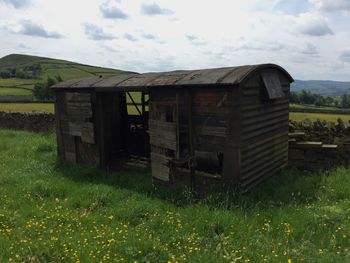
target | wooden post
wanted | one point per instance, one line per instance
(177, 121)
(100, 129)
(190, 140)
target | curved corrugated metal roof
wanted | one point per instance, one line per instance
(216, 76)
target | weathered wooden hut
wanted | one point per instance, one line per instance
(198, 128)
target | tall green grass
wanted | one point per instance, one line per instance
(51, 212)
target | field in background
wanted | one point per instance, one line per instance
(300, 116)
(49, 68)
(27, 107)
(312, 107)
(51, 212)
(15, 92)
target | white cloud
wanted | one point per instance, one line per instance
(17, 3)
(32, 29)
(313, 25)
(332, 5)
(96, 33)
(309, 49)
(154, 9)
(111, 11)
(130, 37)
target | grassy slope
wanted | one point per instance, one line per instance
(50, 68)
(61, 213)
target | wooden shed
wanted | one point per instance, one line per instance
(198, 128)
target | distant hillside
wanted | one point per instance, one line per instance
(322, 87)
(27, 70)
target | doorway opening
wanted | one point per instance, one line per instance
(123, 126)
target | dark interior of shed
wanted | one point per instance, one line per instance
(124, 126)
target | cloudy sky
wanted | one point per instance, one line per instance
(310, 38)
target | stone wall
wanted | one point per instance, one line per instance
(319, 145)
(38, 122)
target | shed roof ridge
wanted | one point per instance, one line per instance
(131, 76)
(75, 82)
(100, 79)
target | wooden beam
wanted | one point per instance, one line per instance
(190, 138)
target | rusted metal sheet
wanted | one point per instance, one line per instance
(210, 98)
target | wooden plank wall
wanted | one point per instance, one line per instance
(211, 108)
(169, 136)
(163, 132)
(75, 128)
(264, 133)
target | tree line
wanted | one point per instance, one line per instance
(28, 72)
(306, 97)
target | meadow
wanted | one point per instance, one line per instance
(54, 212)
(15, 92)
(300, 116)
(27, 107)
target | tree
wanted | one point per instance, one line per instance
(42, 90)
(294, 98)
(345, 101)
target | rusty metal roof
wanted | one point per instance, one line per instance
(216, 76)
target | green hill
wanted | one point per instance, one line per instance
(19, 73)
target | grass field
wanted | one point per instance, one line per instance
(300, 116)
(27, 107)
(50, 212)
(15, 92)
(303, 106)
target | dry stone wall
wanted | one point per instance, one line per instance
(319, 145)
(37, 122)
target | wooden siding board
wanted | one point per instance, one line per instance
(275, 122)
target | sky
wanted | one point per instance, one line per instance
(309, 38)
